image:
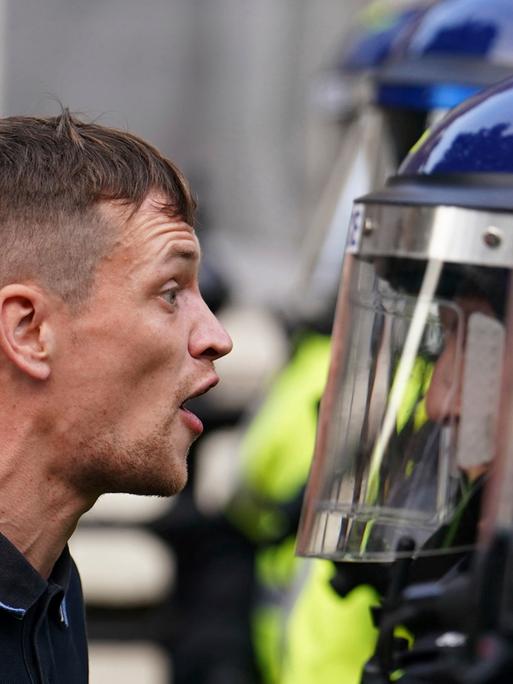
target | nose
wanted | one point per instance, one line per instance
(443, 397)
(208, 338)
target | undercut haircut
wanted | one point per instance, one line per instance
(54, 174)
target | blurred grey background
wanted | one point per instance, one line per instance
(222, 86)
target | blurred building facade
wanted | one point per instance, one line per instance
(220, 85)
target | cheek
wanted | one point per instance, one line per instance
(122, 351)
(444, 393)
(150, 357)
(434, 397)
(126, 354)
(154, 364)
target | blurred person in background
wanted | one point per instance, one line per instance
(104, 338)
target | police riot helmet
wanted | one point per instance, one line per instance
(343, 86)
(407, 428)
(457, 48)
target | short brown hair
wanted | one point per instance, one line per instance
(54, 172)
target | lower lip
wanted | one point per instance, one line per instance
(192, 421)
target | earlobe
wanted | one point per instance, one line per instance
(25, 334)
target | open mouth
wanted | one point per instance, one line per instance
(184, 405)
(190, 418)
(201, 390)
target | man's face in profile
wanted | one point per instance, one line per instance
(445, 394)
(443, 399)
(143, 345)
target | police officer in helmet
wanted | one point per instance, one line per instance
(412, 417)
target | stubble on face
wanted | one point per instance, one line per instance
(150, 466)
(115, 467)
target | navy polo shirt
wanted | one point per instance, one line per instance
(42, 625)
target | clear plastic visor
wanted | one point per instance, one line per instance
(407, 423)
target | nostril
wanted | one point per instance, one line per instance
(213, 354)
(223, 344)
(209, 338)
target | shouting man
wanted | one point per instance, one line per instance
(104, 336)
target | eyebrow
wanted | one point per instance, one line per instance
(181, 252)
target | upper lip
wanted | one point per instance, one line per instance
(202, 389)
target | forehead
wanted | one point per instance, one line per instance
(150, 233)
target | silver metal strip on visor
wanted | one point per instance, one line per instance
(451, 234)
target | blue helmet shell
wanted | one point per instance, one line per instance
(477, 137)
(375, 41)
(481, 28)
(466, 160)
(457, 48)
(368, 45)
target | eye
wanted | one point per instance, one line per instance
(170, 295)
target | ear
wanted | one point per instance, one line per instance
(26, 337)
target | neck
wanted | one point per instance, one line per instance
(38, 511)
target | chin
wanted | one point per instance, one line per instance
(157, 483)
(161, 488)
(149, 467)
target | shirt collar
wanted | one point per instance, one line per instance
(21, 585)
